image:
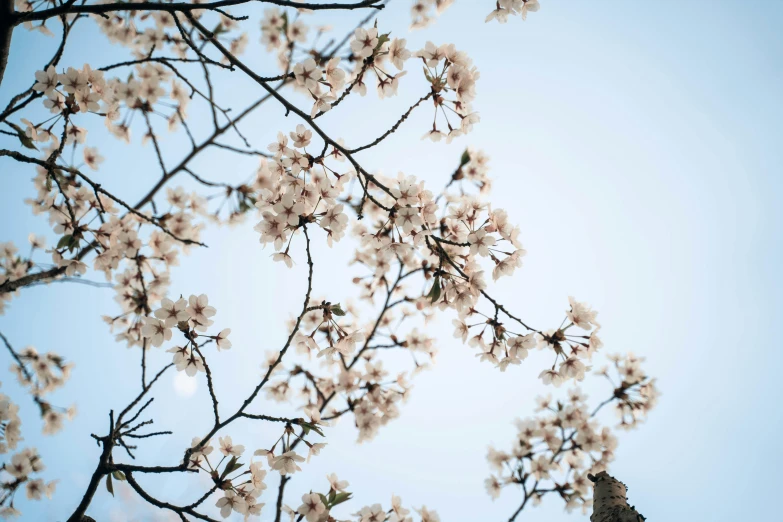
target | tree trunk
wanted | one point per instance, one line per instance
(7, 16)
(609, 501)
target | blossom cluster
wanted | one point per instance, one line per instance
(505, 8)
(242, 485)
(424, 12)
(556, 451)
(20, 469)
(288, 200)
(159, 31)
(350, 368)
(401, 241)
(316, 507)
(375, 55)
(11, 423)
(86, 91)
(240, 491)
(281, 32)
(42, 374)
(13, 265)
(503, 347)
(190, 316)
(450, 72)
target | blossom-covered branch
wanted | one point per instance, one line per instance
(419, 252)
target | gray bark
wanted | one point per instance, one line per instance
(610, 503)
(7, 19)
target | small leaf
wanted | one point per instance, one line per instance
(26, 141)
(109, 486)
(229, 467)
(323, 499)
(119, 475)
(434, 294)
(465, 158)
(382, 39)
(427, 74)
(340, 498)
(23, 137)
(336, 310)
(284, 29)
(307, 426)
(69, 242)
(65, 241)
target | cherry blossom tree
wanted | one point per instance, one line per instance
(419, 251)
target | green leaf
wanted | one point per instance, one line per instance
(22, 135)
(307, 426)
(284, 29)
(231, 466)
(382, 39)
(26, 141)
(427, 74)
(323, 499)
(68, 241)
(119, 475)
(109, 486)
(465, 158)
(340, 498)
(435, 291)
(65, 241)
(336, 310)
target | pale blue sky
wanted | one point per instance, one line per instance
(637, 144)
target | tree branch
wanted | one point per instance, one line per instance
(178, 7)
